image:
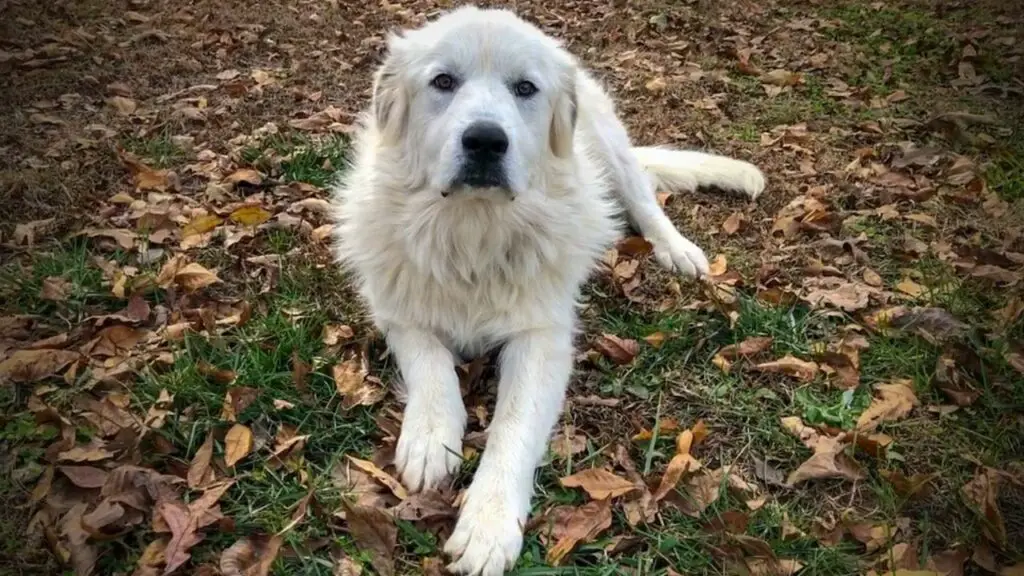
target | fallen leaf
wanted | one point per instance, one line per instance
(893, 402)
(718, 266)
(910, 288)
(734, 223)
(680, 464)
(245, 176)
(619, 350)
(26, 366)
(790, 366)
(124, 106)
(252, 556)
(201, 225)
(237, 444)
(935, 325)
(872, 278)
(55, 289)
(334, 334)
(567, 443)
(85, 476)
(996, 274)
(828, 461)
(375, 533)
(982, 494)
(656, 85)
(199, 469)
(354, 385)
(381, 476)
(830, 291)
(908, 487)
(782, 78)
(583, 525)
(599, 483)
(747, 348)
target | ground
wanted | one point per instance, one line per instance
(188, 384)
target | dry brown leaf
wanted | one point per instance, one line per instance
(199, 472)
(828, 461)
(374, 532)
(782, 78)
(334, 334)
(250, 556)
(681, 464)
(893, 402)
(599, 483)
(124, 106)
(872, 278)
(829, 291)
(245, 176)
(908, 487)
(982, 495)
(201, 225)
(354, 385)
(791, 366)
(718, 266)
(381, 476)
(237, 444)
(910, 288)
(747, 348)
(619, 350)
(655, 340)
(734, 223)
(55, 289)
(218, 375)
(582, 525)
(85, 476)
(27, 366)
(567, 443)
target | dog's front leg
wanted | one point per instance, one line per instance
(430, 444)
(535, 368)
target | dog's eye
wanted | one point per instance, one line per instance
(525, 89)
(443, 82)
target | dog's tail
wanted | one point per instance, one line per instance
(686, 170)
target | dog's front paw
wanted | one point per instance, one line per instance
(488, 536)
(748, 179)
(678, 254)
(430, 446)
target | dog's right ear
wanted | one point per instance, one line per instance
(390, 102)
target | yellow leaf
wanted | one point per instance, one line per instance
(655, 340)
(910, 288)
(246, 175)
(251, 215)
(380, 476)
(718, 266)
(791, 366)
(599, 483)
(237, 444)
(201, 225)
(894, 401)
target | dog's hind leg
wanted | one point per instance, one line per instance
(635, 174)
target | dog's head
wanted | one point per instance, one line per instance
(477, 100)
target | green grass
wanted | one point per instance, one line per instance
(299, 158)
(158, 149)
(21, 283)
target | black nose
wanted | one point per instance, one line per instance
(485, 138)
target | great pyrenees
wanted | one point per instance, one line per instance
(488, 178)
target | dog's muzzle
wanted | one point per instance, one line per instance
(484, 145)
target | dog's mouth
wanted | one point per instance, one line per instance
(481, 176)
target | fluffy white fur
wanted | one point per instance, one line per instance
(451, 272)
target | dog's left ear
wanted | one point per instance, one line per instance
(563, 121)
(390, 102)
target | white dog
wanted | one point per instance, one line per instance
(481, 195)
